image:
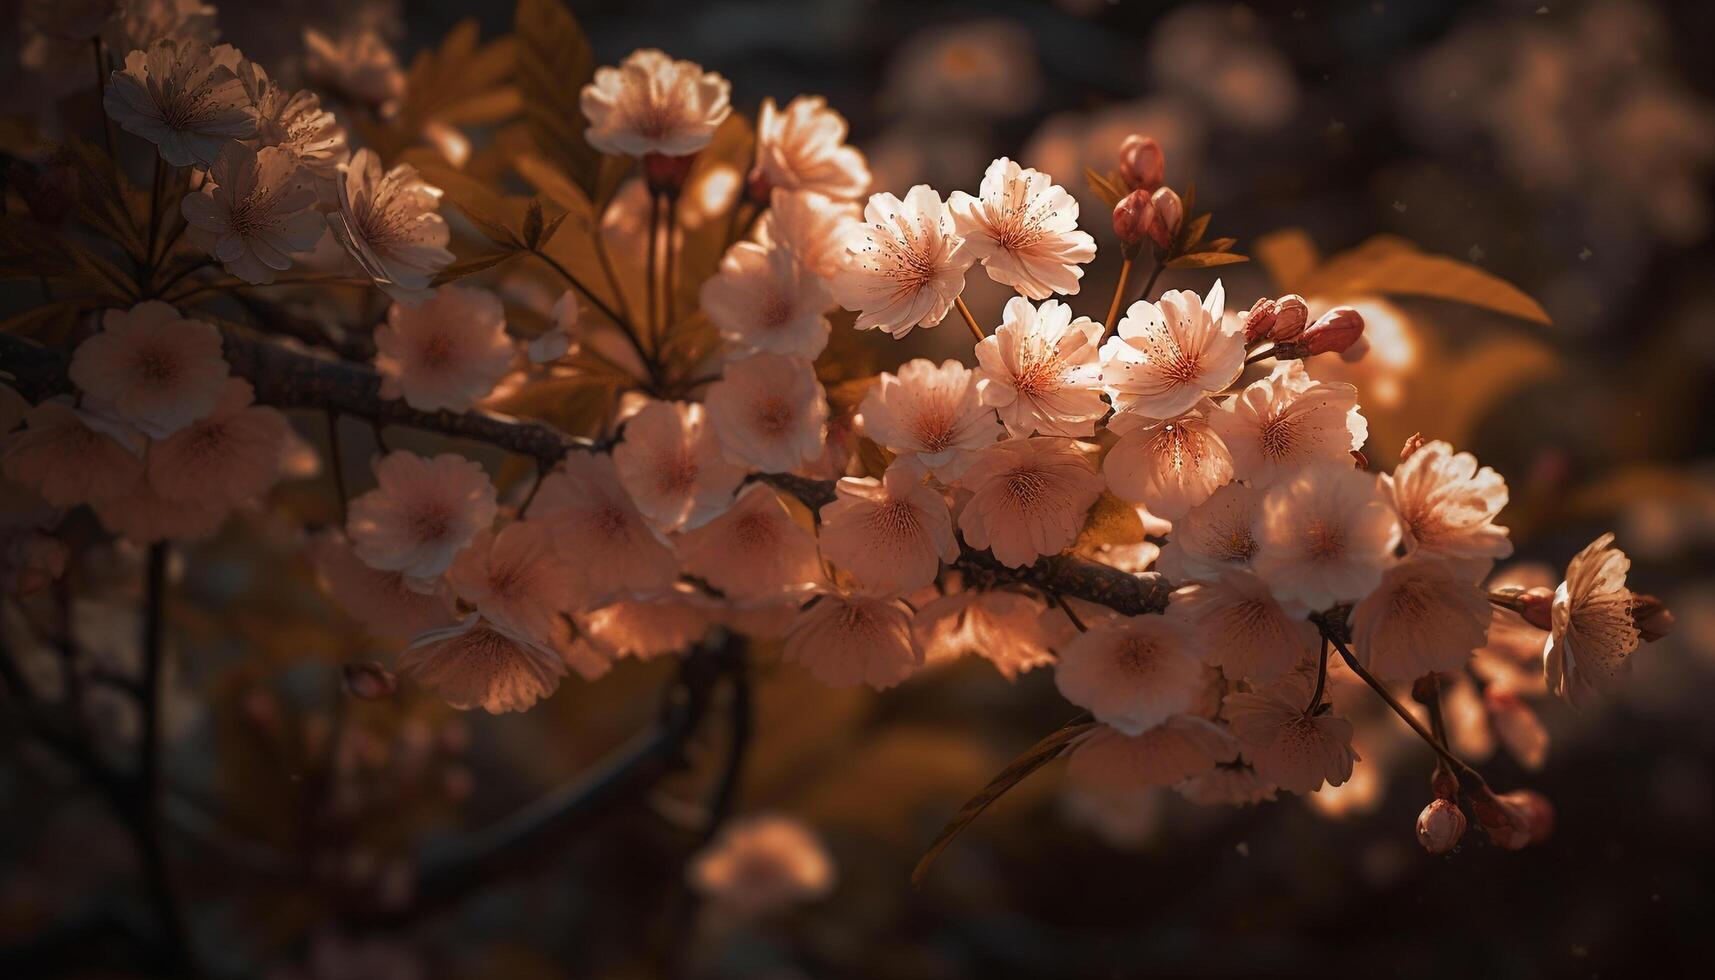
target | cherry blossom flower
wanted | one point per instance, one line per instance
(388, 222)
(296, 124)
(811, 226)
(388, 603)
(933, 416)
(1236, 624)
(447, 352)
(803, 148)
(1447, 506)
(1169, 467)
(769, 412)
(152, 368)
(515, 579)
(1132, 673)
(231, 455)
(1285, 421)
(1028, 499)
(1039, 370)
(765, 299)
(653, 104)
(479, 664)
(1326, 536)
(845, 640)
(672, 465)
(1234, 785)
(144, 515)
(1024, 229)
(71, 457)
(1169, 354)
(421, 514)
(1423, 617)
(762, 864)
(1215, 536)
(1013, 632)
(1179, 748)
(904, 265)
(561, 336)
(604, 540)
(660, 623)
(30, 561)
(1593, 638)
(754, 550)
(184, 97)
(892, 534)
(358, 65)
(256, 210)
(1293, 750)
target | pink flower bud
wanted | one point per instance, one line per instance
(1338, 329)
(369, 681)
(1291, 313)
(665, 174)
(1132, 217)
(1537, 607)
(1142, 164)
(1538, 812)
(1259, 322)
(1507, 825)
(1412, 444)
(1163, 227)
(1440, 826)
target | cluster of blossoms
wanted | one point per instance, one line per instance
(706, 508)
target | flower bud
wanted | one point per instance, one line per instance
(1538, 812)
(665, 174)
(1440, 826)
(1259, 322)
(1132, 218)
(1537, 607)
(1291, 313)
(1412, 445)
(758, 187)
(1142, 164)
(1444, 784)
(1337, 330)
(1163, 227)
(1507, 825)
(369, 681)
(1651, 616)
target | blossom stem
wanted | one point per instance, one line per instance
(607, 271)
(530, 497)
(1261, 355)
(1119, 294)
(1060, 600)
(1458, 765)
(1154, 274)
(653, 327)
(669, 299)
(1321, 681)
(149, 762)
(337, 464)
(622, 322)
(970, 321)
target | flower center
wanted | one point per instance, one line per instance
(1324, 541)
(774, 416)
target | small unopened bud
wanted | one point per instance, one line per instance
(1440, 826)
(1163, 227)
(1142, 164)
(1259, 322)
(1651, 616)
(1412, 445)
(1291, 313)
(1537, 607)
(665, 174)
(1538, 812)
(1507, 825)
(369, 681)
(1337, 330)
(1132, 217)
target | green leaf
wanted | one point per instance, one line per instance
(554, 63)
(1204, 260)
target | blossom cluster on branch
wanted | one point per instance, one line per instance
(1029, 503)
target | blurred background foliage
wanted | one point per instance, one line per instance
(1353, 148)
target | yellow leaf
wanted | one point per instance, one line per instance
(1390, 266)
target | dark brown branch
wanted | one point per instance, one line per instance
(290, 378)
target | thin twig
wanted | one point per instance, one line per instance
(623, 323)
(1119, 295)
(337, 464)
(652, 329)
(970, 321)
(1321, 681)
(149, 763)
(668, 286)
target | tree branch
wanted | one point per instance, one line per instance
(289, 378)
